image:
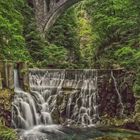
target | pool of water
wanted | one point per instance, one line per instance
(57, 132)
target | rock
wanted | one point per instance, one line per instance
(137, 107)
(117, 138)
(137, 114)
(55, 116)
(6, 98)
(107, 138)
(59, 99)
(137, 117)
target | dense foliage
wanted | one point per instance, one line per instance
(12, 42)
(115, 25)
(7, 133)
(64, 34)
(92, 34)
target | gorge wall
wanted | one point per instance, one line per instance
(108, 96)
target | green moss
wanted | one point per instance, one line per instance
(118, 138)
(7, 133)
(6, 97)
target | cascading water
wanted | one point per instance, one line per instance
(82, 106)
(33, 111)
(119, 95)
(24, 110)
(16, 80)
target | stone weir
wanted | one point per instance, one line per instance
(81, 97)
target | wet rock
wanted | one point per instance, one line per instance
(108, 96)
(131, 125)
(59, 99)
(137, 117)
(106, 138)
(55, 116)
(137, 107)
(117, 138)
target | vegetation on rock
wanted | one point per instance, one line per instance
(6, 97)
(7, 133)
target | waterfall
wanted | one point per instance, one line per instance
(119, 95)
(33, 111)
(82, 107)
(35, 108)
(16, 80)
(80, 87)
(24, 110)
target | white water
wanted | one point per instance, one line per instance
(85, 110)
(16, 80)
(118, 93)
(33, 111)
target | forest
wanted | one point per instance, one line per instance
(92, 34)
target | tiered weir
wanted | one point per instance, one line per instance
(35, 108)
(33, 111)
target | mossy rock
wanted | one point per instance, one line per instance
(55, 116)
(106, 138)
(7, 133)
(137, 118)
(109, 121)
(117, 138)
(137, 107)
(6, 97)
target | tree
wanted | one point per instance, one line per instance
(12, 43)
